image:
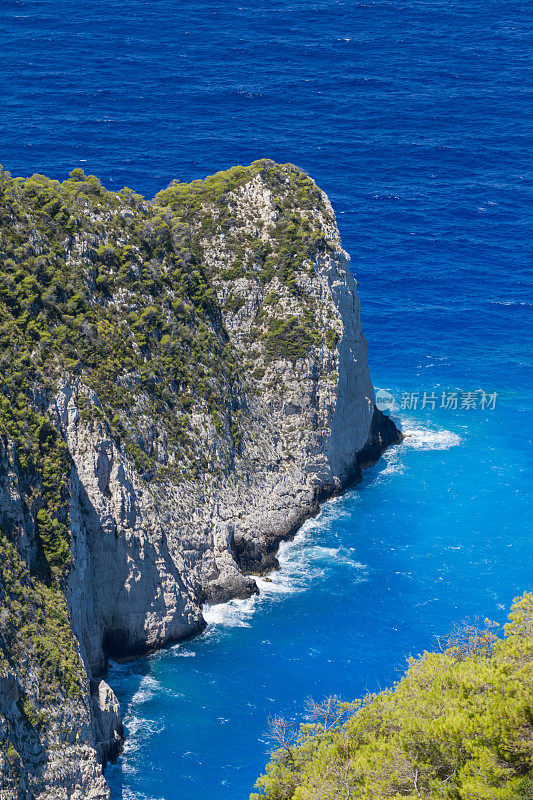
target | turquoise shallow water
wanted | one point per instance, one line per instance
(416, 117)
(438, 532)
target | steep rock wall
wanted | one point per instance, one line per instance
(159, 524)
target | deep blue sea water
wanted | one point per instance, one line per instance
(417, 119)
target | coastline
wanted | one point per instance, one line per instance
(383, 434)
(151, 535)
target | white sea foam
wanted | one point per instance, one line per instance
(509, 303)
(233, 614)
(393, 464)
(293, 576)
(425, 438)
(181, 652)
(128, 794)
(139, 730)
(302, 563)
(146, 690)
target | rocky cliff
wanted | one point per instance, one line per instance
(183, 382)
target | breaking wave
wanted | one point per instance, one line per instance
(422, 438)
(302, 560)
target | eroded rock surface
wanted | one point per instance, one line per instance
(177, 495)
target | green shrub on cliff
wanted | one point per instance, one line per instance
(98, 286)
(288, 339)
(35, 632)
(118, 295)
(210, 208)
(458, 726)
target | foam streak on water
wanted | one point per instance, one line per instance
(302, 561)
(425, 438)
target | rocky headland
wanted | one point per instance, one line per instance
(183, 381)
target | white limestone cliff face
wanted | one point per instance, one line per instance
(64, 761)
(147, 555)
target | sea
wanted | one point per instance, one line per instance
(416, 117)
